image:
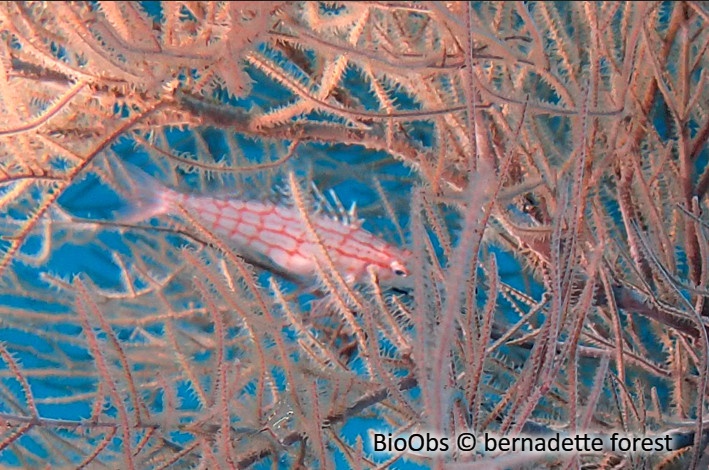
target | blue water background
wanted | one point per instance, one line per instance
(92, 199)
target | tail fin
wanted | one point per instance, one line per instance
(146, 196)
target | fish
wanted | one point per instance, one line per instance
(276, 232)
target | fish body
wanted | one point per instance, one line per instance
(280, 233)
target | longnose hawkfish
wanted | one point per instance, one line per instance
(276, 232)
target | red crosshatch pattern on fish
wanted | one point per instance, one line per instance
(277, 232)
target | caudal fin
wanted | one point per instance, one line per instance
(146, 196)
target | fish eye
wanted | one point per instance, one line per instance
(398, 269)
